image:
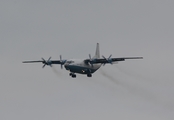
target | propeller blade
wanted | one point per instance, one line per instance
(60, 57)
(49, 59)
(110, 56)
(91, 61)
(109, 60)
(43, 66)
(43, 60)
(48, 62)
(90, 56)
(62, 62)
(103, 57)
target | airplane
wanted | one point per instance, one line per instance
(85, 66)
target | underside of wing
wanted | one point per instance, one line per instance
(31, 61)
(124, 58)
(50, 61)
(109, 60)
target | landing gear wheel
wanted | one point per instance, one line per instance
(73, 75)
(89, 75)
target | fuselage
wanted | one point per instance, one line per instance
(79, 66)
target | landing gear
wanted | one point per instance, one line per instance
(72, 75)
(89, 75)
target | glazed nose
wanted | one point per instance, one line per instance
(66, 66)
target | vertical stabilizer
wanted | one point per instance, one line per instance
(97, 53)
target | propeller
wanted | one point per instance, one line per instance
(109, 60)
(48, 62)
(91, 60)
(62, 62)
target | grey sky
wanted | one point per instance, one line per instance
(134, 89)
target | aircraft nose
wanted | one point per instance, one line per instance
(66, 66)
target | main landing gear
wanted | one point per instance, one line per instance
(89, 75)
(73, 75)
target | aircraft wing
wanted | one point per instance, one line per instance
(48, 62)
(109, 60)
(51, 61)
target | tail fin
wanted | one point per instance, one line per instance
(97, 53)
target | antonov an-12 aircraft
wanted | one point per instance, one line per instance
(86, 66)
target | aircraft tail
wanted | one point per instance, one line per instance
(97, 53)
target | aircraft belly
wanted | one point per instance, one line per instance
(81, 69)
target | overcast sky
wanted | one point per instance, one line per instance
(134, 89)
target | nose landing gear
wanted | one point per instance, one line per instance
(73, 75)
